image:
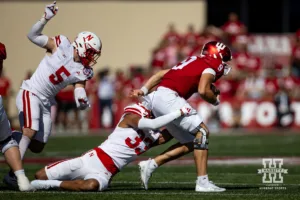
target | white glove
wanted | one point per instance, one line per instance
(82, 102)
(50, 11)
(187, 110)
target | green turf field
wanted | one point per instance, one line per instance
(178, 182)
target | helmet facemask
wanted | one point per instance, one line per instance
(88, 47)
(90, 57)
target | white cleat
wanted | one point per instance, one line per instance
(145, 173)
(208, 187)
(24, 184)
(40, 184)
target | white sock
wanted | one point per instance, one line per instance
(23, 145)
(202, 179)
(19, 173)
(54, 183)
(152, 165)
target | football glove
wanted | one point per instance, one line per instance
(50, 10)
(82, 102)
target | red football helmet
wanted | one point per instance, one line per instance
(217, 50)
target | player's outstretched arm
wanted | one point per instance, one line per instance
(145, 123)
(35, 34)
(151, 83)
(205, 89)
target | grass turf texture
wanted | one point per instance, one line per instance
(220, 145)
(178, 182)
(241, 182)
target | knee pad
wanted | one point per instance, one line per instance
(202, 142)
(8, 143)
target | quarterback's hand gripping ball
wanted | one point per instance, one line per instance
(2, 51)
(50, 10)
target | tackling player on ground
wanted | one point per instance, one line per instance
(135, 133)
(64, 64)
(175, 86)
(8, 146)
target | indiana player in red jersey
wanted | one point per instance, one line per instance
(64, 64)
(135, 133)
(174, 87)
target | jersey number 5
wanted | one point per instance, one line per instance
(57, 77)
(185, 63)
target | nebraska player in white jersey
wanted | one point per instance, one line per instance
(64, 64)
(134, 134)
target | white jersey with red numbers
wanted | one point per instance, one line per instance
(125, 144)
(104, 161)
(56, 71)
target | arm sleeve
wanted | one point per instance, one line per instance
(35, 34)
(209, 71)
(158, 122)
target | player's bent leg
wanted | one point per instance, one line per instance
(74, 185)
(28, 134)
(173, 152)
(81, 185)
(12, 156)
(11, 153)
(201, 149)
(36, 146)
(201, 157)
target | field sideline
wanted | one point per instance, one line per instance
(234, 161)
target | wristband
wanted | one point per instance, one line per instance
(145, 90)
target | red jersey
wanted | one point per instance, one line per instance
(185, 76)
(4, 86)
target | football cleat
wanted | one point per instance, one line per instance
(145, 173)
(11, 180)
(208, 187)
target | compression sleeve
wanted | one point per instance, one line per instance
(35, 34)
(158, 122)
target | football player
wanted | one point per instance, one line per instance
(135, 133)
(8, 146)
(174, 87)
(64, 64)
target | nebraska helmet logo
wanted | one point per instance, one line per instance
(89, 37)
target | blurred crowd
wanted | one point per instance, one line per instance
(252, 77)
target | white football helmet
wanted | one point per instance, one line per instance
(88, 46)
